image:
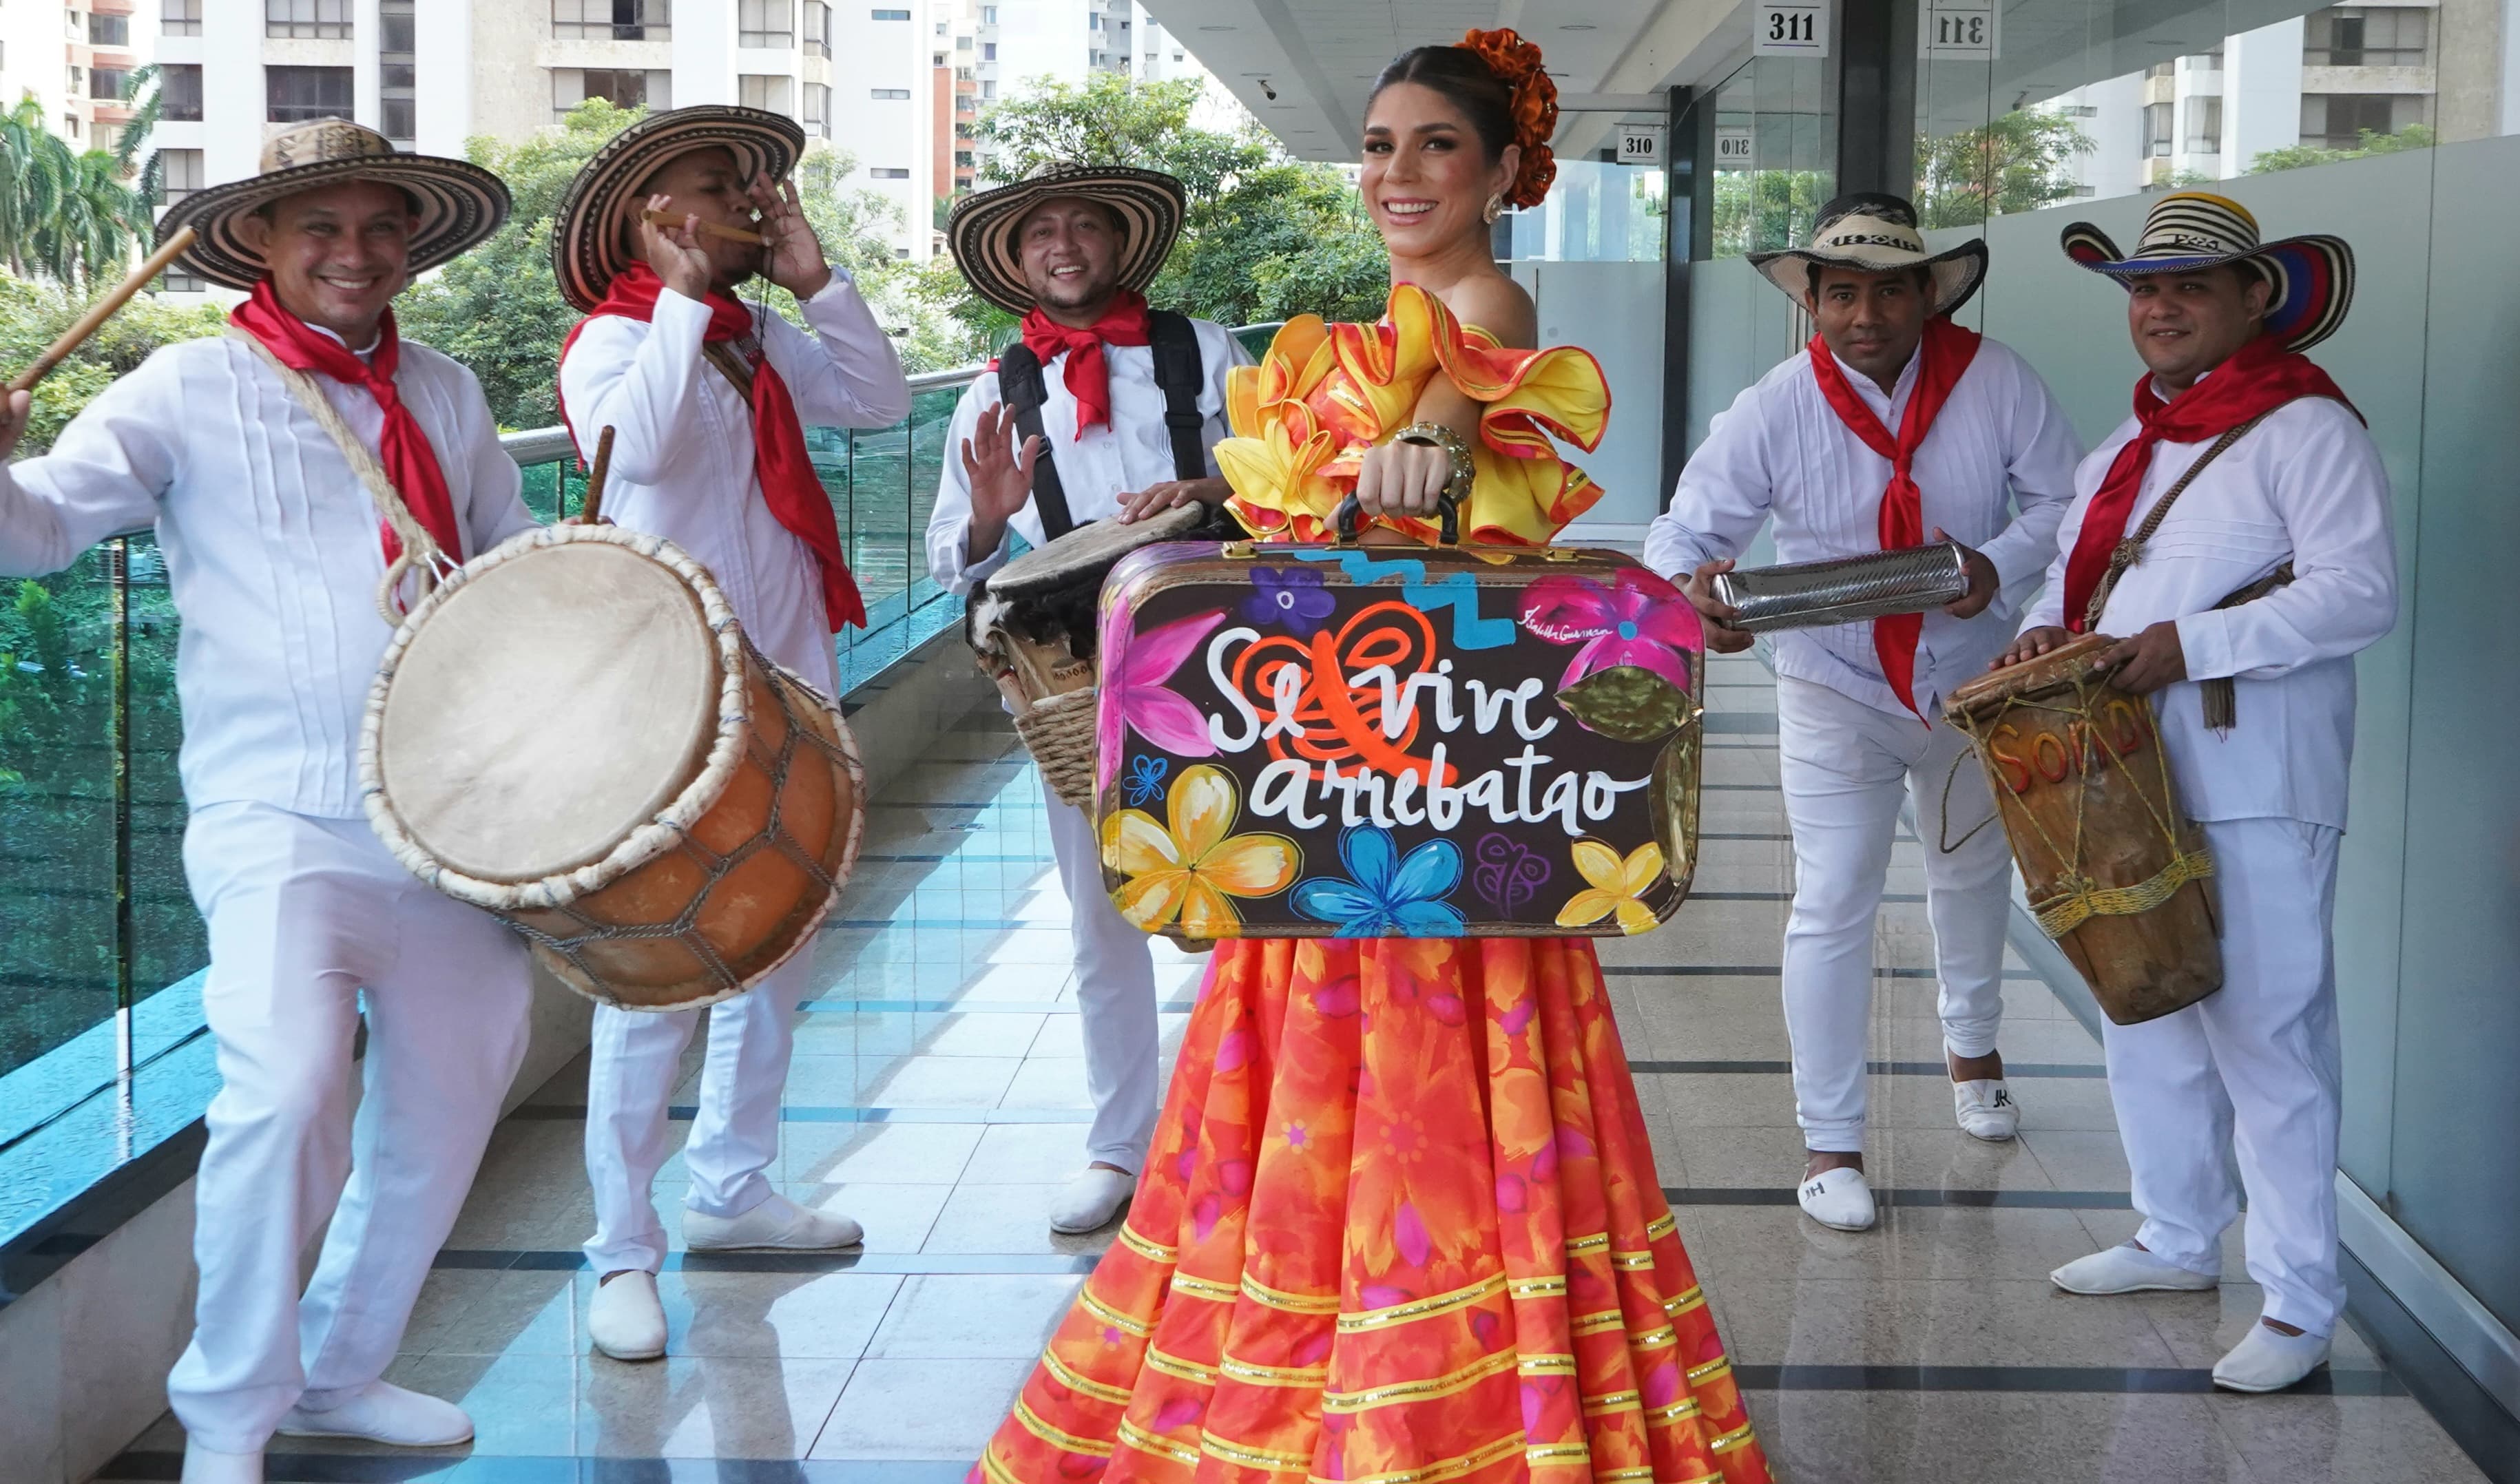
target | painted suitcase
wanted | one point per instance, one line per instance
(1396, 742)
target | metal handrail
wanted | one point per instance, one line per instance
(546, 445)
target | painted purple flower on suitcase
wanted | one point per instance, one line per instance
(1289, 596)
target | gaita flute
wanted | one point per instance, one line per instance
(709, 228)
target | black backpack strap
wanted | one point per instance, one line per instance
(1181, 373)
(1020, 384)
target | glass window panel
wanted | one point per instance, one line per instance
(180, 18)
(180, 92)
(295, 94)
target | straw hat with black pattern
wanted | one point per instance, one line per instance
(981, 233)
(589, 243)
(2312, 276)
(1874, 232)
(459, 204)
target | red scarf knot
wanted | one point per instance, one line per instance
(404, 449)
(2259, 378)
(790, 486)
(1944, 355)
(1089, 372)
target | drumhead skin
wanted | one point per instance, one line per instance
(1090, 549)
(2060, 665)
(551, 706)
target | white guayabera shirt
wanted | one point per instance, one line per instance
(1134, 451)
(271, 547)
(1996, 472)
(2306, 486)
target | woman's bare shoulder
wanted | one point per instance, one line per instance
(1498, 305)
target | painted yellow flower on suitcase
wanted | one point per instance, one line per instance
(1188, 866)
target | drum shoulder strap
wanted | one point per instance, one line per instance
(1019, 383)
(2131, 550)
(1181, 372)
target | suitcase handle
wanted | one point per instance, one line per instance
(1350, 516)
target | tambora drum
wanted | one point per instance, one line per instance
(1033, 627)
(2115, 873)
(573, 732)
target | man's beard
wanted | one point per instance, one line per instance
(1065, 294)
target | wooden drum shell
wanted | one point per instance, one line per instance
(2090, 799)
(754, 794)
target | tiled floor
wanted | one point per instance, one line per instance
(938, 1095)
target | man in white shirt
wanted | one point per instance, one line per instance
(707, 400)
(1891, 423)
(274, 552)
(1071, 249)
(2241, 609)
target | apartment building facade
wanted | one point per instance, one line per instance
(431, 74)
(2326, 80)
(75, 58)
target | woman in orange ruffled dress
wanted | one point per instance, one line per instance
(1401, 1224)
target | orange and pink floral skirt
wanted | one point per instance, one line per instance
(1400, 1226)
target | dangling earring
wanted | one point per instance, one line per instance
(1494, 209)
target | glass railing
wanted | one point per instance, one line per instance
(101, 950)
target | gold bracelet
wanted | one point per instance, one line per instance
(1436, 435)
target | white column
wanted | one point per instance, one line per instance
(703, 52)
(442, 53)
(232, 92)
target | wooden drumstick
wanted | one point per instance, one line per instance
(102, 311)
(708, 229)
(593, 510)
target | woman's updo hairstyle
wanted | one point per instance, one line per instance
(1496, 80)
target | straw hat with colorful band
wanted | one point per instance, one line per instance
(1871, 232)
(981, 233)
(2312, 276)
(590, 245)
(459, 205)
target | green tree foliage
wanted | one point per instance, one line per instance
(499, 311)
(1762, 211)
(2018, 162)
(33, 313)
(64, 214)
(1266, 237)
(2415, 136)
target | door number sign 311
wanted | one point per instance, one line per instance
(1789, 31)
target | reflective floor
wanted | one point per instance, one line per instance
(938, 1095)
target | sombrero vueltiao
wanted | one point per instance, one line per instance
(1872, 232)
(2312, 276)
(589, 245)
(981, 233)
(459, 204)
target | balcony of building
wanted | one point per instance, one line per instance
(938, 1091)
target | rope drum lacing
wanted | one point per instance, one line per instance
(2075, 898)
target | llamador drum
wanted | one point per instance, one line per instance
(573, 733)
(2115, 872)
(1033, 627)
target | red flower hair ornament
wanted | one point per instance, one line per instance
(1517, 64)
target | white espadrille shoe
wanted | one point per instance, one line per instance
(2270, 1360)
(2127, 1268)
(626, 1319)
(385, 1413)
(1986, 1109)
(1839, 1200)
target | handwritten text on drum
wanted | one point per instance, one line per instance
(2121, 731)
(1387, 784)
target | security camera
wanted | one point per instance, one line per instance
(1268, 92)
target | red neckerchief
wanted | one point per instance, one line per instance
(404, 449)
(2259, 378)
(1088, 375)
(1944, 354)
(789, 485)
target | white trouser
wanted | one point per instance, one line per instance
(1845, 766)
(636, 1060)
(305, 914)
(2252, 1068)
(1115, 990)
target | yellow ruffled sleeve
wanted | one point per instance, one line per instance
(1325, 393)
